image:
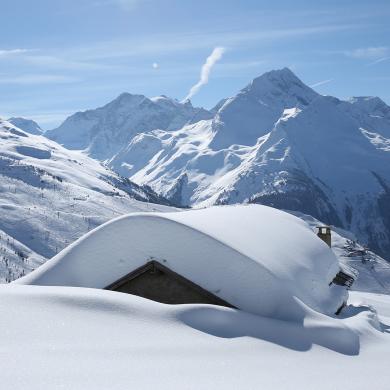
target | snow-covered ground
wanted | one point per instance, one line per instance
(77, 338)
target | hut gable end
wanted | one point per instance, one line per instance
(159, 283)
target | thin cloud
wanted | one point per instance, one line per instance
(38, 79)
(320, 83)
(53, 62)
(379, 60)
(10, 52)
(371, 53)
(211, 60)
(172, 43)
(42, 60)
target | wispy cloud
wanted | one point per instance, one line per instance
(55, 62)
(37, 79)
(167, 43)
(371, 53)
(211, 60)
(379, 60)
(101, 55)
(11, 52)
(320, 83)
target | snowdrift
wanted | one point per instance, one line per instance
(259, 259)
(78, 338)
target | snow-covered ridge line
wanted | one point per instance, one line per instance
(104, 131)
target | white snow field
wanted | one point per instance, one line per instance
(81, 339)
(257, 258)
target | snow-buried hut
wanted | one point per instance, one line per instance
(253, 257)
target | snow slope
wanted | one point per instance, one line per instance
(75, 338)
(257, 258)
(50, 196)
(15, 258)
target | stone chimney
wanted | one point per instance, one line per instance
(325, 234)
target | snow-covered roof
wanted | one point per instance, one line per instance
(257, 258)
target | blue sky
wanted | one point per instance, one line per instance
(58, 57)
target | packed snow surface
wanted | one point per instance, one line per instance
(257, 258)
(81, 339)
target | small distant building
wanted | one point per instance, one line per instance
(251, 257)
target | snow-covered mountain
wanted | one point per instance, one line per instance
(27, 125)
(276, 142)
(104, 131)
(50, 196)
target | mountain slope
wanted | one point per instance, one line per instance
(49, 196)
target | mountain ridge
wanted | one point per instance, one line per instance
(121, 119)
